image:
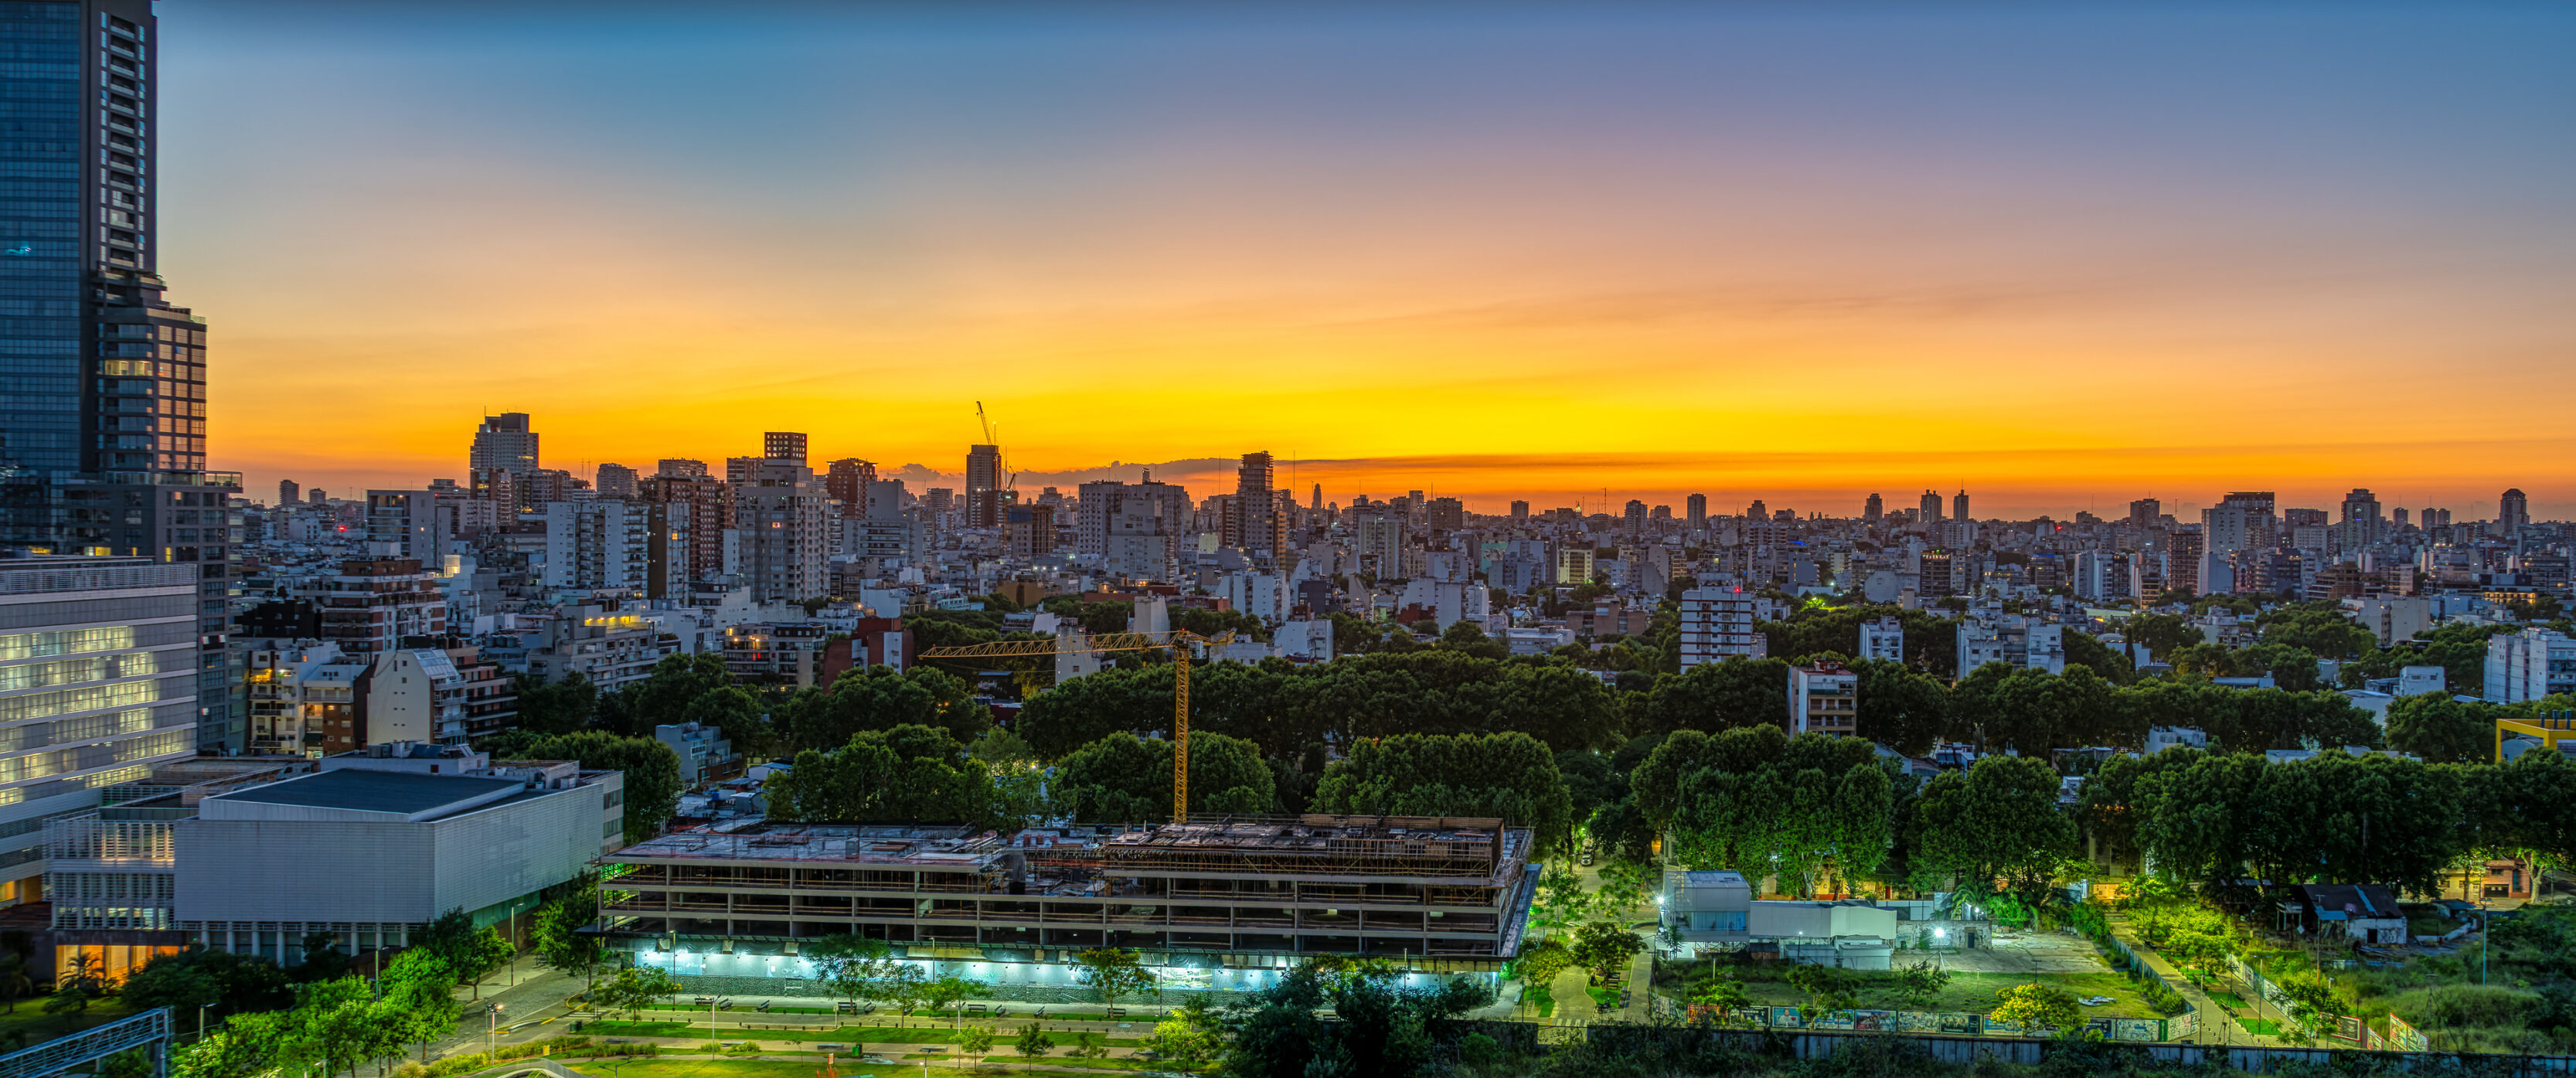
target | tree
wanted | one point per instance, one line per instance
(15, 983)
(1469, 637)
(1996, 821)
(1113, 972)
(1715, 696)
(2442, 729)
(1721, 995)
(556, 929)
(1512, 776)
(85, 983)
(882, 698)
(905, 773)
(557, 707)
(1033, 1042)
(1921, 983)
(905, 986)
(422, 989)
(651, 772)
(2161, 633)
(738, 714)
(1183, 1044)
(1124, 779)
(975, 1041)
(1828, 989)
(1539, 964)
(1604, 946)
(849, 964)
(634, 989)
(1903, 710)
(664, 696)
(2038, 1006)
(949, 991)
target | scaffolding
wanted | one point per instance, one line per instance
(1314, 844)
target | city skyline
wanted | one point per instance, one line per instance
(1791, 253)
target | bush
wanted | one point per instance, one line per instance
(2453, 1006)
(2165, 1000)
(1479, 1050)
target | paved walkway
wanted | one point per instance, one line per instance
(2217, 1025)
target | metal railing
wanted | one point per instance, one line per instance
(56, 1056)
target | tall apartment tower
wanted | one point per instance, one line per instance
(983, 486)
(288, 493)
(1254, 525)
(780, 533)
(1959, 506)
(680, 468)
(2241, 521)
(1695, 511)
(1873, 509)
(847, 483)
(504, 443)
(2513, 511)
(2361, 523)
(614, 481)
(2144, 512)
(1931, 507)
(1520, 509)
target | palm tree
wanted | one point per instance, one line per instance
(14, 980)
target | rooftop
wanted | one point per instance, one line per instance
(361, 790)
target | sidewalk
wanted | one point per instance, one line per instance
(2217, 1026)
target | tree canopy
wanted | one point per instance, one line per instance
(1511, 776)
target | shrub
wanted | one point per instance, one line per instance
(2163, 999)
(1479, 1050)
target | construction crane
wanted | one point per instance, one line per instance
(1178, 641)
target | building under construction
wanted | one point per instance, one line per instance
(1218, 905)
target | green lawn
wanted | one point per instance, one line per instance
(768, 1068)
(919, 1034)
(2261, 1027)
(1976, 992)
(30, 1020)
(2229, 1000)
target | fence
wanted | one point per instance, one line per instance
(1968, 1050)
(1938, 1023)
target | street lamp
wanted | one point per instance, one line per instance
(491, 1028)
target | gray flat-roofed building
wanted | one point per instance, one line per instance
(373, 850)
(360, 795)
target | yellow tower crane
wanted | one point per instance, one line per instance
(1178, 640)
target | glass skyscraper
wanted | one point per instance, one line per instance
(102, 382)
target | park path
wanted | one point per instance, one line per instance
(2217, 1026)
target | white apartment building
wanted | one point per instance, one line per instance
(1882, 640)
(605, 544)
(1824, 699)
(2529, 665)
(1717, 623)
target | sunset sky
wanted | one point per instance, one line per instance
(2061, 255)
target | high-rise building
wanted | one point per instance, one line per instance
(1873, 509)
(1695, 511)
(1959, 506)
(680, 467)
(780, 533)
(404, 524)
(1446, 514)
(2145, 512)
(605, 544)
(2513, 511)
(504, 442)
(102, 373)
(847, 483)
(1931, 507)
(102, 381)
(2361, 523)
(691, 515)
(1520, 511)
(1254, 525)
(1317, 504)
(317, 496)
(2241, 521)
(288, 493)
(614, 481)
(983, 486)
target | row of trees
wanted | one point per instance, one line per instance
(911, 772)
(1800, 808)
(2211, 819)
